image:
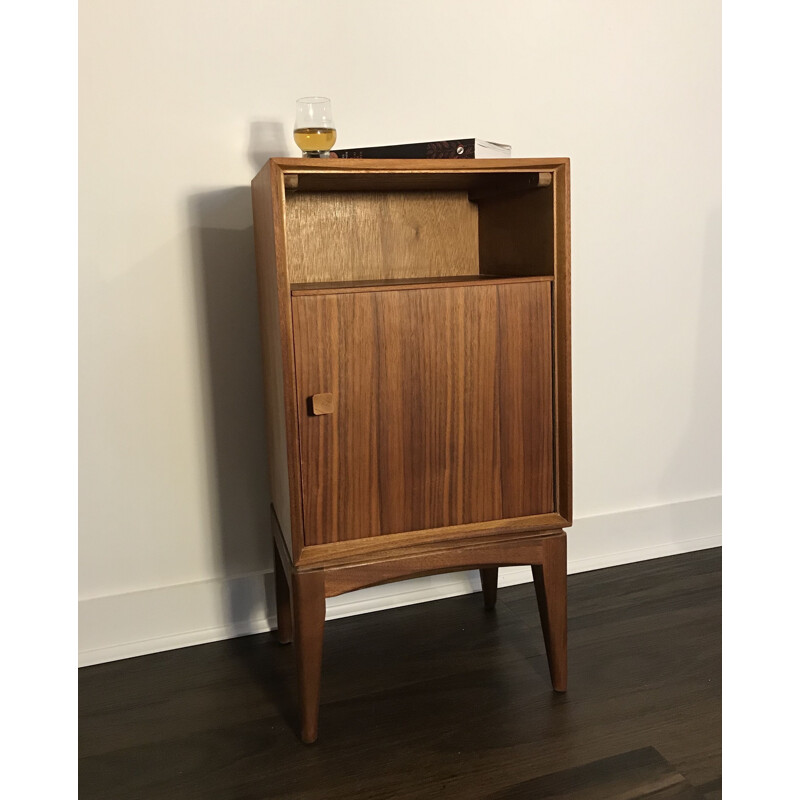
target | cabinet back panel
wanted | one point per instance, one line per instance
(442, 411)
(351, 236)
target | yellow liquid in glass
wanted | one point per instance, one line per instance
(314, 140)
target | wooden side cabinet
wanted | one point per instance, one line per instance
(415, 323)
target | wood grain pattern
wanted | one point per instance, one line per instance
(550, 581)
(516, 233)
(377, 235)
(444, 409)
(525, 395)
(276, 335)
(308, 611)
(496, 185)
(436, 701)
(407, 284)
(377, 548)
(509, 551)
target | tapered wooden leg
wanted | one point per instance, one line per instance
(550, 581)
(308, 601)
(282, 599)
(489, 586)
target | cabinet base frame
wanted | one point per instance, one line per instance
(301, 594)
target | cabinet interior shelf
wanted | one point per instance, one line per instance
(395, 284)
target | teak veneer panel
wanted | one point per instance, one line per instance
(443, 408)
(353, 236)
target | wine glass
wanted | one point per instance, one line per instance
(314, 130)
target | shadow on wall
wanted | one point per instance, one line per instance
(226, 294)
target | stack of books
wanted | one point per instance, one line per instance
(449, 148)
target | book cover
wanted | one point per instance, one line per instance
(449, 148)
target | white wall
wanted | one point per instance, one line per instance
(181, 101)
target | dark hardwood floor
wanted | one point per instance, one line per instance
(441, 700)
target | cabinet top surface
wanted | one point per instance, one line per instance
(412, 164)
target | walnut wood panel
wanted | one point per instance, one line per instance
(308, 613)
(526, 401)
(405, 284)
(438, 393)
(550, 581)
(501, 552)
(376, 548)
(335, 236)
(516, 233)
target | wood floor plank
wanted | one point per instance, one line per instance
(636, 775)
(442, 700)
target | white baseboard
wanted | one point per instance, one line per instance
(138, 623)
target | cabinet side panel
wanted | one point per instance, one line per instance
(271, 355)
(562, 366)
(526, 399)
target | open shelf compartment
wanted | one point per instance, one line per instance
(361, 230)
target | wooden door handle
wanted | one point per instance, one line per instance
(321, 404)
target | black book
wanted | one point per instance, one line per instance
(450, 148)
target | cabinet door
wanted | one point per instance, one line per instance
(423, 408)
